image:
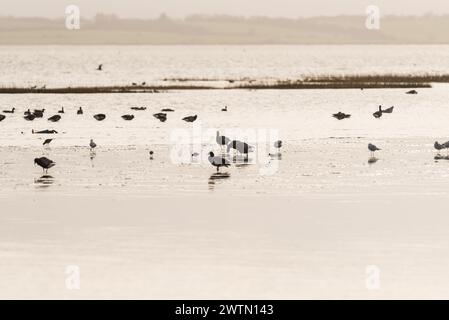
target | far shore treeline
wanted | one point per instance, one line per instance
(201, 29)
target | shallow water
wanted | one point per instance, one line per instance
(62, 66)
(320, 154)
(306, 224)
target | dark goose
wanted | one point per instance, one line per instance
(80, 111)
(341, 115)
(30, 117)
(55, 118)
(47, 142)
(2, 117)
(100, 117)
(9, 111)
(218, 161)
(44, 163)
(139, 108)
(378, 114)
(128, 117)
(160, 116)
(190, 118)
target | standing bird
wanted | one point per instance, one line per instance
(222, 140)
(100, 117)
(190, 118)
(373, 148)
(44, 163)
(100, 67)
(54, 118)
(92, 144)
(378, 113)
(47, 142)
(218, 161)
(9, 111)
(341, 115)
(80, 111)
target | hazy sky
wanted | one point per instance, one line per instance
(180, 8)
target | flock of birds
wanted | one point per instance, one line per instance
(224, 142)
(378, 114)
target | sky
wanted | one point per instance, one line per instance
(181, 8)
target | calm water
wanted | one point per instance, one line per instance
(57, 66)
(300, 226)
(321, 154)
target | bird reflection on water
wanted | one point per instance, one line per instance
(216, 178)
(44, 181)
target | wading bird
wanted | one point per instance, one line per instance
(218, 161)
(44, 163)
(92, 144)
(373, 148)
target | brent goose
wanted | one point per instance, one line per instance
(100, 67)
(62, 110)
(224, 109)
(30, 117)
(2, 117)
(190, 118)
(412, 92)
(100, 117)
(139, 108)
(341, 115)
(39, 113)
(128, 117)
(47, 142)
(378, 114)
(372, 148)
(162, 117)
(80, 111)
(9, 111)
(44, 163)
(54, 118)
(218, 161)
(151, 154)
(167, 110)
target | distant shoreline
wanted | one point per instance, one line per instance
(322, 82)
